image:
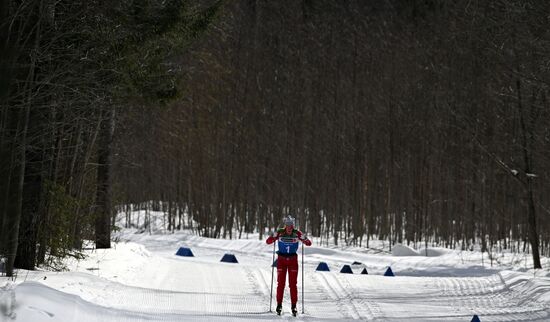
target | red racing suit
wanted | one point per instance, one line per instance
(287, 260)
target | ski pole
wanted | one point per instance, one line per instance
(272, 268)
(303, 278)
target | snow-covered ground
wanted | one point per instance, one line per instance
(141, 279)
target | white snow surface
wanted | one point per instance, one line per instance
(403, 250)
(141, 279)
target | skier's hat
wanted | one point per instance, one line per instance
(288, 221)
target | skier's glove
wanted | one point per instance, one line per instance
(271, 239)
(305, 240)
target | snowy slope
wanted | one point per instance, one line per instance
(141, 279)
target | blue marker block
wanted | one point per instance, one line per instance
(184, 251)
(364, 271)
(476, 318)
(323, 267)
(389, 272)
(357, 263)
(229, 258)
(346, 269)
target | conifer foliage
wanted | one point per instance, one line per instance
(69, 68)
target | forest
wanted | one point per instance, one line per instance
(414, 122)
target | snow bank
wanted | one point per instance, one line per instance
(402, 250)
(526, 287)
(433, 252)
(37, 302)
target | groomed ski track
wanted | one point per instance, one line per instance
(142, 280)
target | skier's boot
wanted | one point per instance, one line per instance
(294, 310)
(279, 308)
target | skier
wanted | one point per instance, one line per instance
(287, 259)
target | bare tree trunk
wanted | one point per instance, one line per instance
(527, 138)
(16, 179)
(14, 198)
(103, 197)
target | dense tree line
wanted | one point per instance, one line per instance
(402, 120)
(410, 121)
(67, 69)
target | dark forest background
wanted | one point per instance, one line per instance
(409, 121)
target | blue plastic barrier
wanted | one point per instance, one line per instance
(389, 272)
(476, 318)
(346, 269)
(229, 258)
(184, 251)
(323, 267)
(364, 271)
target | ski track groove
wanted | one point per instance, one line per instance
(340, 295)
(373, 310)
(488, 296)
(321, 286)
(169, 302)
(351, 296)
(254, 278)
